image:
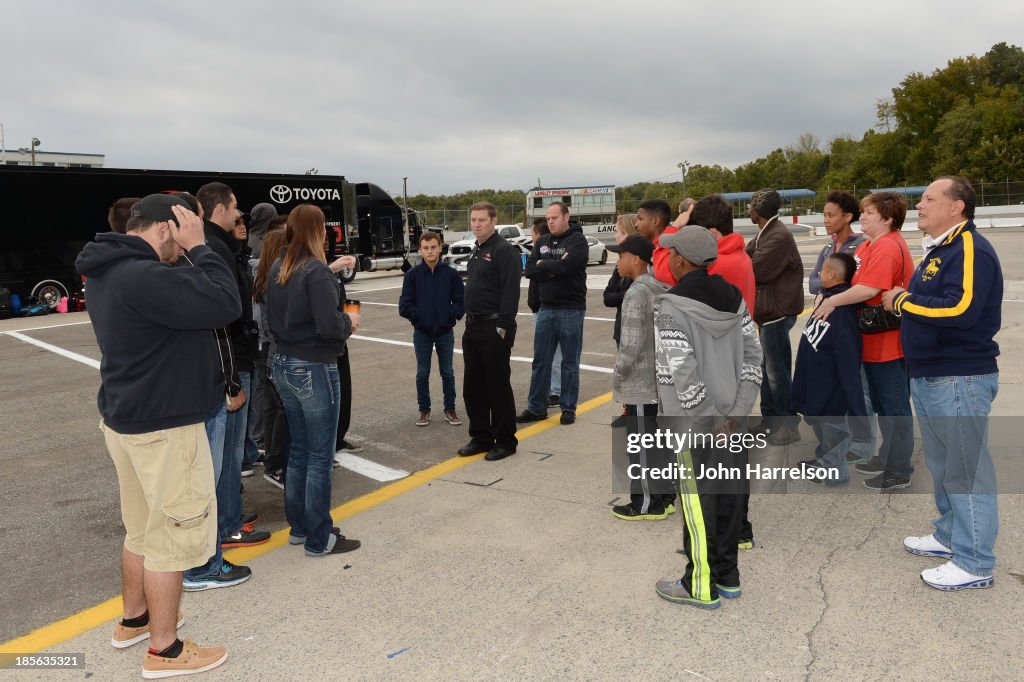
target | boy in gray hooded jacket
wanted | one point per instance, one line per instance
(709, 371)
(633, 381)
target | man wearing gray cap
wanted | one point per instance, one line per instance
(709, 373)
(779, 276)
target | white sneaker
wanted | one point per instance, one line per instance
(951, 577)
(927, 545)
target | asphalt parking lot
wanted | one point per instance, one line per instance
(60, 526)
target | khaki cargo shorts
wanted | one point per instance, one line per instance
(168, 496)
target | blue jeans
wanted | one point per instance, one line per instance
(777, 370)
(229, 483)
(953, 415)
(424, 343)
(215, 433)
(556, 361)
(833, 444)
(556, 327)
(865, 449)
(310, 392)
(890, 397)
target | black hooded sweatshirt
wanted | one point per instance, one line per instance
(245, 338)
(559, 266)
(153, 324)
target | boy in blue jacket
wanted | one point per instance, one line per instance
(826, 383)
(432, 299)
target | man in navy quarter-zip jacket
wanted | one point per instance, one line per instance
(950, 314)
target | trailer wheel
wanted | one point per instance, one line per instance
(49, 291)
(347, 275)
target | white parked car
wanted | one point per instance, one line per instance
(598, 254)
(461, 262)
(458, 252)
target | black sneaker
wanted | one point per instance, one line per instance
(346, 446)
(887, 481)
(853, 458)
(568, 417)
(229, 575)
(872, 466)
(526, 417)
(627, 512)
(342, 544)
(250, 518)
(553, 400)
(245, 538)
(246, 470)
(299, 539)
(275, 478)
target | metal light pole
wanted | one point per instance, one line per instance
(683, 166)
(35, 143)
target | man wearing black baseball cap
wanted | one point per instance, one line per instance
(709, 374)
(634, 382)
(152, 325)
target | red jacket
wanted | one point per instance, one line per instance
(735, 267)
(662, 273)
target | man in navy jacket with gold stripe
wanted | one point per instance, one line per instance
(950, 314)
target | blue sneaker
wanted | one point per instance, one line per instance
(228, 576)
(726, 592)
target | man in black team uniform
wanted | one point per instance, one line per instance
(492, 301)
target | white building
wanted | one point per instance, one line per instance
(593, 205)
(15, 157)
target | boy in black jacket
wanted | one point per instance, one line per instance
(433, 300)
(827, 387)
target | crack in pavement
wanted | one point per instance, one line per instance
(821, 583)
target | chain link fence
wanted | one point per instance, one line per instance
(456, 220)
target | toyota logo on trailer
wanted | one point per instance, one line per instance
(281, 194)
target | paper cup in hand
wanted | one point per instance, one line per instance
(351, 306)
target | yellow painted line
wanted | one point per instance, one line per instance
(68, 628)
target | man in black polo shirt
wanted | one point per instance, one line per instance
(492, 301)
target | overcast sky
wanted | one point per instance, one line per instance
(465, 95)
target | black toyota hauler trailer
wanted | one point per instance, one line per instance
(47, 214)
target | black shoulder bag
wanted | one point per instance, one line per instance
(874, 319)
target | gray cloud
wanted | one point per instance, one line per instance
(461, 95)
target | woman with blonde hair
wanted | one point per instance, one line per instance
(302, 299)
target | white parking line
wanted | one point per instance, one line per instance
(49, 326)
(395, 305)
(370, 469)
(95, 364)
(366, 291)
(516, 358)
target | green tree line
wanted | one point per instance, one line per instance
(966, 118)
